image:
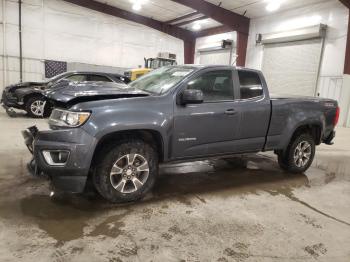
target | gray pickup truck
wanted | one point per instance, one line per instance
(116, 141)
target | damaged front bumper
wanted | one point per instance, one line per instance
(63, 156)
(9, 103)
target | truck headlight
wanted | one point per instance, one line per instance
(68, 118)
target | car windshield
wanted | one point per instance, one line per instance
(57, 77)
(161, 80)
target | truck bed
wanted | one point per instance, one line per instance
(289, 112)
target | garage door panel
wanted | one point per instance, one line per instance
(215, 57)
(292, 68)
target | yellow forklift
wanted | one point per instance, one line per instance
(163, 59)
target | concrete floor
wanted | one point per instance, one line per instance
(199, 211)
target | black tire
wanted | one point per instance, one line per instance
(29, 106)
(47, 109)
(281, 161)
(109, 156)
(287, 159)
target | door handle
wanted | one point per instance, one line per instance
(230, 111)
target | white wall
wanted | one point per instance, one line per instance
(335, 16)
(214, 40)
(61, 31)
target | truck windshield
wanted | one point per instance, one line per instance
(161, 80)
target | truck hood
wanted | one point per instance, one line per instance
(73, 93)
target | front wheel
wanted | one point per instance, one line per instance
(299, 155)
(35, 106)
(126, 171)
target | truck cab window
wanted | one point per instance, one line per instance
(215, 85)
(250, 84)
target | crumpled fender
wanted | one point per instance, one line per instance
(21, 93)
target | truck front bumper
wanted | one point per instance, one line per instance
(64, 156)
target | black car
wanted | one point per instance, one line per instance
(29, 96)
(65, 94)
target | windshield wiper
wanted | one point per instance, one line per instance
(147, 91)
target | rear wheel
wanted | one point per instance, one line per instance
(126, 171)
(299, 155)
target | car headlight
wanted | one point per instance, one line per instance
(67, 118)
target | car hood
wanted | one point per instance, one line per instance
(14, 87)
(73, 93)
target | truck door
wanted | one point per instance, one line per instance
(208, 128)
(254, 107)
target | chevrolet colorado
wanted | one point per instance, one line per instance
(175, 113)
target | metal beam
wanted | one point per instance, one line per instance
(189, 49)
(191, 20)
(347, 51)
(117, 12)
(177, 19)
(346, 3)
(213, 31)
(242, 43)
(20, 40)
(236, 21)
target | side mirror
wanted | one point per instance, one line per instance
(192, 96)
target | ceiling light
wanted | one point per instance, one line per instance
(141, 2)
(196, 26)
(273, 6)
(136, 7)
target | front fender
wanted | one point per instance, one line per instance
(108, 122)
(24, 92)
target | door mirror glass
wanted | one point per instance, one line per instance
(192, 96)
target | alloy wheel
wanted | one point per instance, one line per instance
(37, 107)
(129, 173)
(302, 154)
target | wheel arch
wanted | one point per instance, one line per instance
(152, 137)
(26, 97)
(314, 129)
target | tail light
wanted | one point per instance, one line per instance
(336, 117)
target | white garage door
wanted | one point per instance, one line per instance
(292, 67)
(217, 57)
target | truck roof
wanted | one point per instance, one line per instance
(220, 66)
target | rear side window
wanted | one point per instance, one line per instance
(250, 84)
